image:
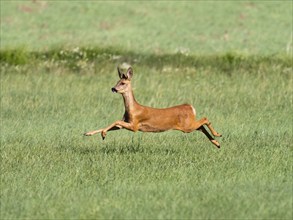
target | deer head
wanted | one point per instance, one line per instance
(124, 84)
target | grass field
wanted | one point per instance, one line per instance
(252, 27)
(55, 89)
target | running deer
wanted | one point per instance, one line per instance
(146, 119)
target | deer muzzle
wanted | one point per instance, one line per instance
(114, 90)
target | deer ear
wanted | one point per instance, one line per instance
(120, 74)
(129, 73)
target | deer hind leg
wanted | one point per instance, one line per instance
(199, 125)
(205, 121)
(203, 130)
(216, 134)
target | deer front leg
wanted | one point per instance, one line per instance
(121, 124)
(90, 133)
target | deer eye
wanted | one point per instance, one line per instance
(122, 84)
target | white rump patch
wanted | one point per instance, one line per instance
(193, 110)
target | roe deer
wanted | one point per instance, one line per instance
(146, 119)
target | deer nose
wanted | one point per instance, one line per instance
(114, 90)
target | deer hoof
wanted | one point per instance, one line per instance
(216, 143)
(103, 134)
(217, 134)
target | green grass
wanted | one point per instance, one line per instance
(193, 27)
(49, 170)
(231, 60)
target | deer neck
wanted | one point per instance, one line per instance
(129, 101)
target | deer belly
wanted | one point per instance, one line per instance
(161, 125)
(145, 127)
